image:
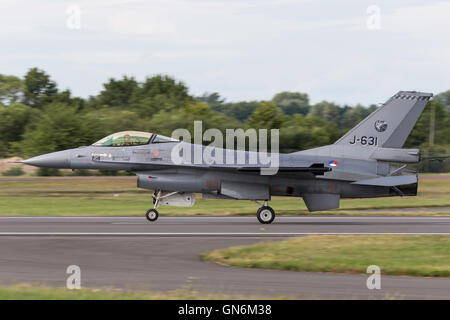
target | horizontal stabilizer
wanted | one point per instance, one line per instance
(396, 155)
(391, 181)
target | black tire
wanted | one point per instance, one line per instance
(152, 215)
(265, 215)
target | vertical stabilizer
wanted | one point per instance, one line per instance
(389, 125)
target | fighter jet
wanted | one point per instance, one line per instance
(367, 162)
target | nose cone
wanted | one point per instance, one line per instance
(58, 160)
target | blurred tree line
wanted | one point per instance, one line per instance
(37, 117)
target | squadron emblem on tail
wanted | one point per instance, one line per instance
(380, 125)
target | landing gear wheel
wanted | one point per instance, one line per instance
(151, 215)
(265, 214)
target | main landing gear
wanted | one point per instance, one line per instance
(265, 214)
(152, 214)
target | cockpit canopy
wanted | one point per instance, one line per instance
(131, 138)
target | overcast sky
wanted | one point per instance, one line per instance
(245, 49)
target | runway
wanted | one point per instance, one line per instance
(210, 226)
(132, 253)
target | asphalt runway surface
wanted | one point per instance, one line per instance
(132, 253)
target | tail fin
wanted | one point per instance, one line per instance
(390, 124)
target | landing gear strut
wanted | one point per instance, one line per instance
(265, 214)
(152, 214)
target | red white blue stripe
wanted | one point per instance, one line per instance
(333, 163)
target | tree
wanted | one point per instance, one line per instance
(267, 115)
(352, 116)
(110, 120)
(292, 102)
(420, 134)
(13, 120)
(213, 99)
(444, 98)
(160, 92)
(11, 89)
(238, 110)
(166, 122)
(59, 127)
(300, 133)
(117, 93)
(327, 111)
(39, 89)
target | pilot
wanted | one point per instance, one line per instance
(127, 141)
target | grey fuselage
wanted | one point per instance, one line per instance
(358, 165)
(156, 170)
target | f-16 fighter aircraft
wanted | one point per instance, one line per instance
(358, 165)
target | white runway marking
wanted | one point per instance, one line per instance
(128, 223)
(229, 217)
(217, 234)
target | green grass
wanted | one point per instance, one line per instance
(427, 255)
(28, 292)
(122, 197)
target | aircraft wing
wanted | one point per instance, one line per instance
(390, 181)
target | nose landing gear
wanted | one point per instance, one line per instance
(152, 214)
